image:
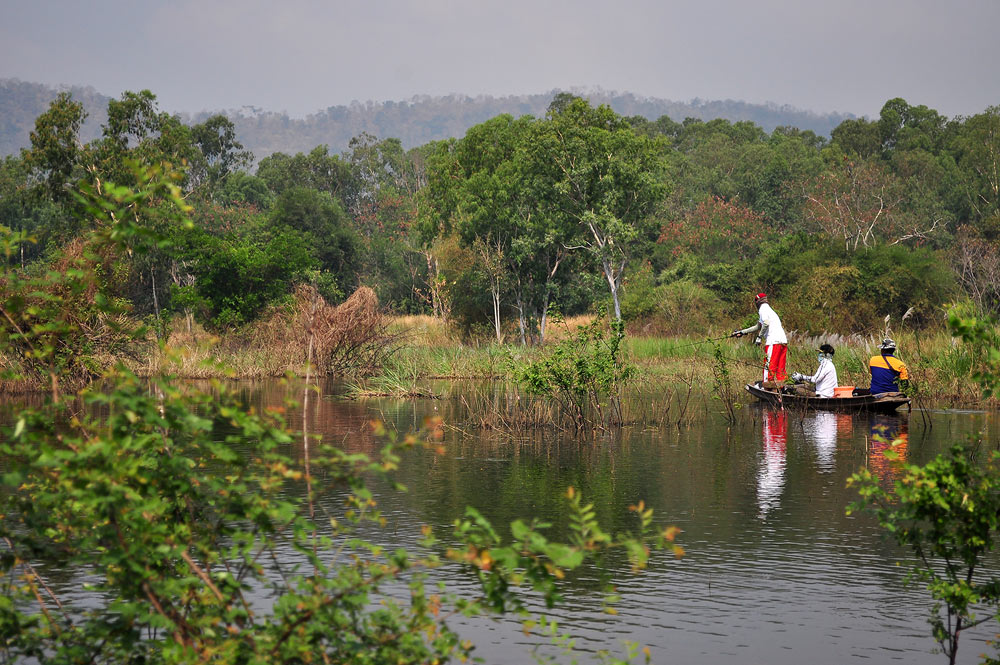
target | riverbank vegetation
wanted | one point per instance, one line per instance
(487, 240)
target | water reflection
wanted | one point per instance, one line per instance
(821, 432)
(889, 442)
(771, 474)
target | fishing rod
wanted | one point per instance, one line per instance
(757, 364)
(704, 341)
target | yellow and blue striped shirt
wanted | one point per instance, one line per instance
(886, 369)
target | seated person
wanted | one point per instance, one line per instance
(889, 373)
(825, 377)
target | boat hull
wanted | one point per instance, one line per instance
(857, 403)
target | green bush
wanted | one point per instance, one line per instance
(895, 278)
(330, 238)
(583, 374)
(639, 298)
(240, 276)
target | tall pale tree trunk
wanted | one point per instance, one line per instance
(614, 277)
(156, 302)
(492, 255)
(520, 305)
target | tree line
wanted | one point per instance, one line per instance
(667, 225)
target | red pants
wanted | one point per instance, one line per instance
(774, 368)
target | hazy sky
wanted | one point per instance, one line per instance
(302, 56)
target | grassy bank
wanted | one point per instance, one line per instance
(429, 349)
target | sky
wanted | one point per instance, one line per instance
(302, 56)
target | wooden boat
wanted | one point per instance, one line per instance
(860, 400)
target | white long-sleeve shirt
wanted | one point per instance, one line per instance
(825, 378)
(768, 326)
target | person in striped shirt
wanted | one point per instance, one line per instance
(889, 373)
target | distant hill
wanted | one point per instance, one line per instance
(21, 102)
(415, 122)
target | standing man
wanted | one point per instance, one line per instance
(768, 329)
(889, 373)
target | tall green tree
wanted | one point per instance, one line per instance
(858, 138)
(493, 190)
(220, 153)
(54, 156)
(605, 177)
(137, 130)
(377, 167)
(979, 157)
(316, 170)
(327, 229)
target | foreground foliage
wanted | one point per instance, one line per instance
(947, 514)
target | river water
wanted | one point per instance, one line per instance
(774, 572)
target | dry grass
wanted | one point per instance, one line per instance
(561, 329)
(424, 330)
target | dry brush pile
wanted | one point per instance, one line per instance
(349, 339)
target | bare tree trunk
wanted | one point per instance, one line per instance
(544, 318)
(549, 278)
(496, 315)
(156, 302)
(433, 282)
(614, 281)
(187, 279)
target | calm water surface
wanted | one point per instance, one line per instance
(775, 572)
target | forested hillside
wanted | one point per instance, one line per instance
(424, 119)
(414, 122)
(21, 102)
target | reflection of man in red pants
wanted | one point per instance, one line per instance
(768, 329)
(771, 474)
